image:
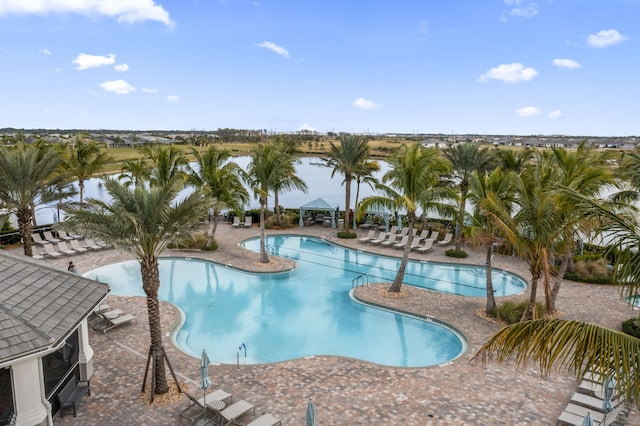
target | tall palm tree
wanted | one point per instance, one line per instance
(143, 221)
(576, 346)
(347, 158)
(414, 171)
(264, 172)
(26, 171)
(364, 174)
(83, 161)
(135, 172)
(288, 180)
(489, 192)
(222, 180)
(466, 158)
(169, 163)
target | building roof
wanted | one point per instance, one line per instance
(40, 305)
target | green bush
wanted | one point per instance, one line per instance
(572, 276)
(461, 254)
(586, 257)
(632, 327)
(511, 312)
(347, 234)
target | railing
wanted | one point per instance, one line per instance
(270, 249)
(362, 279)
(330, 236)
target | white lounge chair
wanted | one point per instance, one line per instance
(370, 236)
(381, 238)
(403, 242)
(426, 246)
(75, 245)
(446, 240)
(235, 411)
(63, 248)
(393, 238)
(48, 235)
(265, 420)
(247, 221)
(64, 235)
(415, 243)
(236, 222)
(195, 409)
(434, 235)
(92, 245)
(38, 239)
(109, 321)
(48, 249)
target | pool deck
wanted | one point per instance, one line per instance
(345, 391)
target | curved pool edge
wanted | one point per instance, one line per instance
(457, 332)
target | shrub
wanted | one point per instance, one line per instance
(572, 276)
(461, 254)
(511, 312)
(587, 257)
(632, 327)
(347, 234)
(590, 271)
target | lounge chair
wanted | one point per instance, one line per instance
(446, 240)
(247, 221)
(370, 236)
(75, 245)
(38, 239)
(48, 235)
(381, 238)
(236, 222)
(92, 245)
(393, 230)
(236, 410)
(393, 238)
(48, 249)
(195, 409)
(265, 420)
(109, 321)
(434, 235)
(37, 255)
(63, 248)
(65, 236)
(424, 234)
(415, 243)
(426, 246)
(403, 242)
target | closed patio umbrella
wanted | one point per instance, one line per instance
(204, 372)
(311, 413)
(587, 421)
(607, 403)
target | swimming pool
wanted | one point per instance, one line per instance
(282, 316)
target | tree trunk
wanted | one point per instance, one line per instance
(263, 249)
(557, 282)
(211, 237)
(491, 299)
(26, 229)
(81, 186)
(461, 214)
(347, 201)
(397, 282)
(355, 205)
(277, 208)
(151, 284)
(530, 312)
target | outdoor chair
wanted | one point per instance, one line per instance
(38, 239)
(63, 248)
(48, 249)
(403, 242)
(65, 236)
(381, 238)
(247, 221)
(112, 319)
(426, 246)
(236, 410)
(393, 238)
(75, 245)
(265, 420)
(196, 406)
(446, 240)
(236, 222)
(370, 236)
(92, 245)
(434, 235)
(48, 235)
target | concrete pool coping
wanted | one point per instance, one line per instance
(345, 391)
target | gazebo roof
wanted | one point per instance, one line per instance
(318, 204)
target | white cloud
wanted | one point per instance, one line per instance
(119, 87)
(509, 73)
(529, 111)
(521, 9)
(173, 98)
(45, 51)
(127, 11)
(121, 67)
(148, 90)
(605, 38)
(307, 127)
(566, 63)
(275, 48)
(366, 104)
(555, 114)
(84, 61)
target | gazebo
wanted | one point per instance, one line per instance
(319, 204)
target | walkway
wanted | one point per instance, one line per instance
(345, 391)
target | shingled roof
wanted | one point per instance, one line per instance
(40, 305)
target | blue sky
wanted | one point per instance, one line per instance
(517, 67)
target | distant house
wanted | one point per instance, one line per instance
(44, 339)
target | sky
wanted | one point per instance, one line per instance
(509, 67)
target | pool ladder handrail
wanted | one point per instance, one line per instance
(270, 249)
(362, 279)
(330, 236)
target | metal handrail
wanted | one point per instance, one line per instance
(356, 282)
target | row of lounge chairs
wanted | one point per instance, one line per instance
(219, 404)
(422, 242)
(61, 248)
(49, 238)
(242, 224)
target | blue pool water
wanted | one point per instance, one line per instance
(303, 312)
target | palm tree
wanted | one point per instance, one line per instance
(26, 171)
(576, 346)
(169, 163)
(221, 178)
(347, 159)
(365, 175)
(466, 158)
(83, 161)
(135, 172)
(414, 171)
(288, 180)
(265, 172)
(143, 221)
(489, 192)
